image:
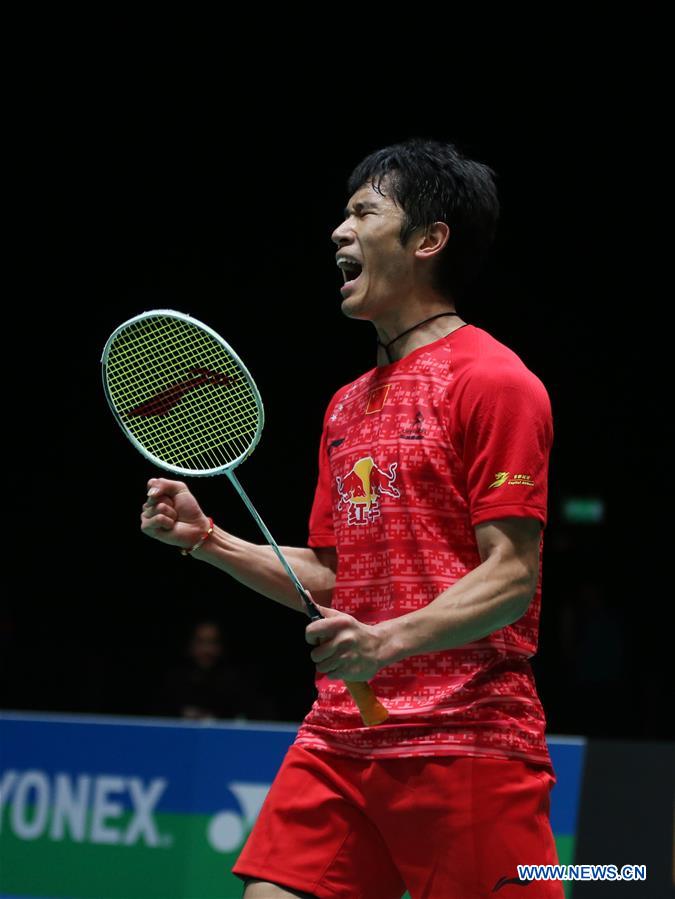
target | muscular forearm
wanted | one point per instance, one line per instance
(259, 568)
(494, 594)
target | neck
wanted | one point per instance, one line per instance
(394, 344)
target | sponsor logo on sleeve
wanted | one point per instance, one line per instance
(515, 480)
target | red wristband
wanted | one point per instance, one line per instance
(186, 552)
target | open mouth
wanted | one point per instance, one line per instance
(351, 272)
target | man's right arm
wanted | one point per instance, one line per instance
(172, 515)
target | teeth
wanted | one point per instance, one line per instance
(351, 269)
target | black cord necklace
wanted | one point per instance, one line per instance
(385, 346)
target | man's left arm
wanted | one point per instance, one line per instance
(494, 594)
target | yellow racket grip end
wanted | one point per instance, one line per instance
(372, 710)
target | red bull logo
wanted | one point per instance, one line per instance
(361, 489)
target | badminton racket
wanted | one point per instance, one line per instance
(187, 403)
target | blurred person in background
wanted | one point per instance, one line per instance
(203, 686)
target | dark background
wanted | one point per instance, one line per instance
(146, 192)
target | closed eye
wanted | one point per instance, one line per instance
(359, 209)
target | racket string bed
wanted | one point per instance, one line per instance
(195, 432)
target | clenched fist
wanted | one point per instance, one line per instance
(172, 514)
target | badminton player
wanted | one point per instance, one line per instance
(424, 551)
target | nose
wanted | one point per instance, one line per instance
(341, 235)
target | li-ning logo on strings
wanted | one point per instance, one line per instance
(361, 489)
(164, 402)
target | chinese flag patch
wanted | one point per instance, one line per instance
(377, 398)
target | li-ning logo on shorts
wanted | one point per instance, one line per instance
(361, 489)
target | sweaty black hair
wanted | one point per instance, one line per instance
(432, 182)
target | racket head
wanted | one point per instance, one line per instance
(180, 393)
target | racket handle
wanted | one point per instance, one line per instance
(372, 710)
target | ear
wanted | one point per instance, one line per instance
(433, 240)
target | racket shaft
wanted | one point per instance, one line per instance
(371, 709)
(312, 610)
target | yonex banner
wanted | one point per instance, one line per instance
(108, 808)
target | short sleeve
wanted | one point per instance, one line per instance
(503, 434)
(321, 531)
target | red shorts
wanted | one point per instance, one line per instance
(450, 827)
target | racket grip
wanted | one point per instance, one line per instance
(372, 710)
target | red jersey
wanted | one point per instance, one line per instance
(413, 455)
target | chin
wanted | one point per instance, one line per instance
(352, 307)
